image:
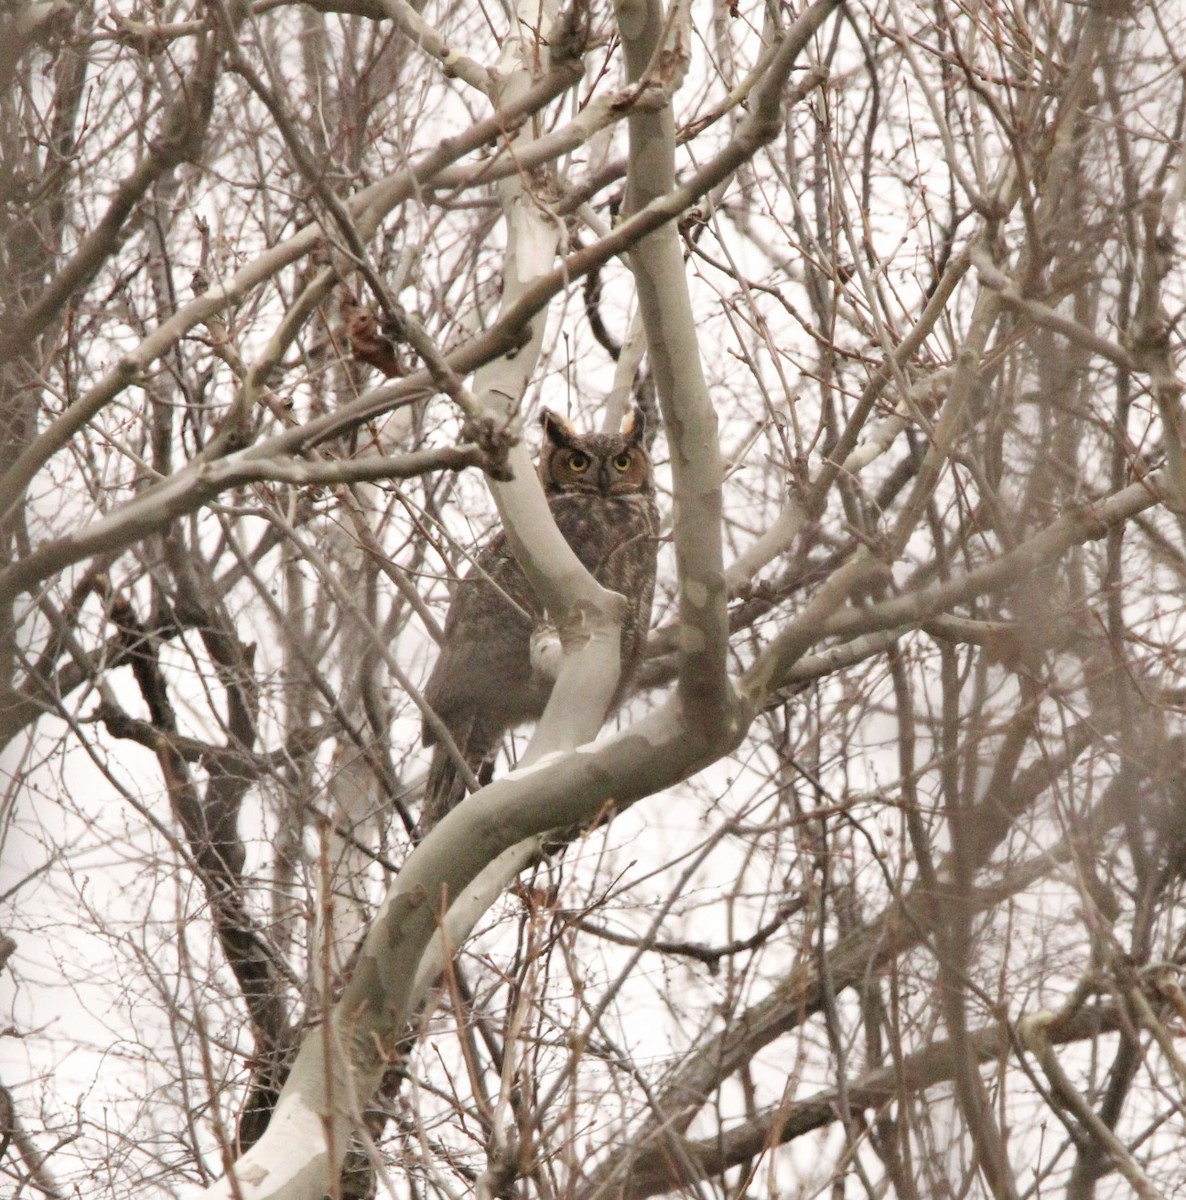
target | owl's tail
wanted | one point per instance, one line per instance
(444, 788)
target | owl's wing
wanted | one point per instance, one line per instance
(481, 680)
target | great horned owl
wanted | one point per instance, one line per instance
(601, 490)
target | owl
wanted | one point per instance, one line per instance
(601, 490)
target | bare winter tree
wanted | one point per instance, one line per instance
(874, 883)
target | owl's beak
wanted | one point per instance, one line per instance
(603, 479)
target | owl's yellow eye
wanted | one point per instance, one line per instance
(622, 462)
(578, 462)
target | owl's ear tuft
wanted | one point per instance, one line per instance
(558, 430)
(634, 425)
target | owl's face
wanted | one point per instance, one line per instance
(595, 463)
